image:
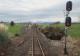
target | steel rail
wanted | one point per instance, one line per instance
(43, 54)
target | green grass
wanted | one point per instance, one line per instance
(74, 30)
(58, 25)
(53, 25)
(14, 29)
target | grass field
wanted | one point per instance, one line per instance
(14, 29)
(74, 30)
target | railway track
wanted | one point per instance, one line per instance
(34, 44)
(37, 49)
(43, 53)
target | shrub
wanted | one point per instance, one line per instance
(4, 39)
(16, 34)
(53, 33)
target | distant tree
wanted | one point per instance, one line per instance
(12, 23)
(57, 22)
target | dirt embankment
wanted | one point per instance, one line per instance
(73, 46)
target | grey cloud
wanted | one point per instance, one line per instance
(51, 12)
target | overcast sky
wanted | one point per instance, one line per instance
(37, 10)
